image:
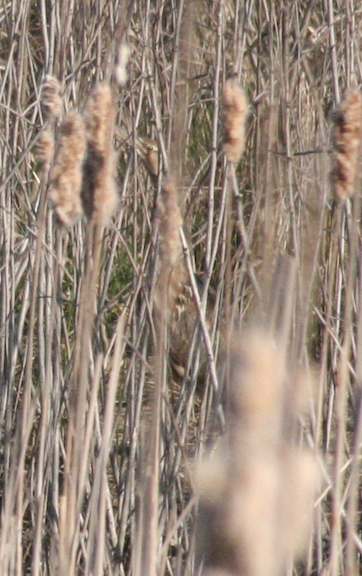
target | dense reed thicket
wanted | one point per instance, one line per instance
(180, 273)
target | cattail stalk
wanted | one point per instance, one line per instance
(346, 141)
(99, 198)
(66, 173)
(169, 281)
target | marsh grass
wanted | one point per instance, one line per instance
(82, 347)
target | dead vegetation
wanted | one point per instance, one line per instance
(126, 352)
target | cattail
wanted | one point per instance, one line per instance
(66, 173)
(257, 490)
(99, 193)
(172, 276)
(51, 100)
(120, 68)
(235, 109)
(171, 221)
(45, 147)
(346, 137)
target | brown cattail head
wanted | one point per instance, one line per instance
(99, 193)
(235, 114)
(172, 274)
(66, 173)
(346, 142)
(45, 148)
(51, 100)
(170, 223)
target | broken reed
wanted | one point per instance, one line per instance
(346, 142)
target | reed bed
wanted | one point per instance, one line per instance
(180, 350)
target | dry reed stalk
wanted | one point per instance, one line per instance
(51, 101)
(97, 521)
(99, 192)
(346, 141)
(66, 173)
(235, 110)
(259, 39)
(257, 491)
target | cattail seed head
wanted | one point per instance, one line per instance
(66, 173)
(171, 221)
(51, 100)
(45, 147)
(346, 141)
(235, 109)
(173, 273)
(99, 193)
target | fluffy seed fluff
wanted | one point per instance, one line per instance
(66, 173)
(51, 100)
(235, 109)
(346, 141)
(99, 193)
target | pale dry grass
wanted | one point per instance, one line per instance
(73, 375)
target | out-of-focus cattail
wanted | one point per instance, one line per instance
(172, 276)
(99, 193)
(174, 298)
(121, 62)
(45, 147)
(171, 221)
(235, 109)
(346, 142)
(51, 100)
(66, 173)
(257, 491)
